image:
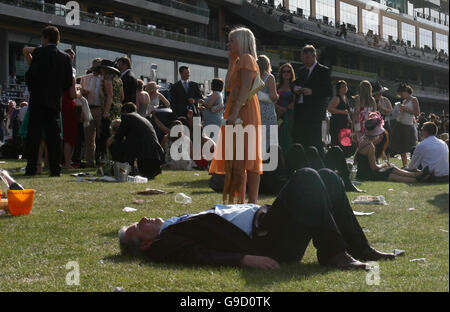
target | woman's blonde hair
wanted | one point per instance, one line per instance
(246, 41)
(264, 64)
(365, 94)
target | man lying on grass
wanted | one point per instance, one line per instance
(312, 205)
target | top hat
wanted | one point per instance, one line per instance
(378, 88)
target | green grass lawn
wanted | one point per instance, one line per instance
(35, 249)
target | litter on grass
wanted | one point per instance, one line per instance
(81, 174)
(59, 210)
(411, 209)
(138, 201)
(418, 260)
(444, 230)
(359, 213)
(149, 191)
(129, 209)
(370, 200)
(399, 252)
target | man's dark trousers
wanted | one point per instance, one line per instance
(312, 205)
(47, 120)
(308, 134)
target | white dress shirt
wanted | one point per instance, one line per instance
(124, 72)
(432, 153)
(310, 69)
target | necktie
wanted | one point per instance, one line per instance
(185, 85)
(307, 74)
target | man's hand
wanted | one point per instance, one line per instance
(85, 92)
(259, 262)
(191, 101)
(306, 91)
(298, 89)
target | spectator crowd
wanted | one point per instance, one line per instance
(108, 116)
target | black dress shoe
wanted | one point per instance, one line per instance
(55, 174)
(425, 174)
(344, 261)
(371, 254)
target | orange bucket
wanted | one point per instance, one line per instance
(20, 202)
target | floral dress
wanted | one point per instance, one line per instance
(116, 105)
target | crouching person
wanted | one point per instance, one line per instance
(311, 206)
(136, 139)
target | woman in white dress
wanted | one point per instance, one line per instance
(155, 97)
(142, 99)
(403, 137)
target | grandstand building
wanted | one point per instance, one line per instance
(387, 40)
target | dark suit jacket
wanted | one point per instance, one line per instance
(206, 239)
(129, 87)
(314, 106)
(49, 75)
(179, 98)
(136, 138)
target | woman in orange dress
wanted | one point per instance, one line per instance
(240, 111)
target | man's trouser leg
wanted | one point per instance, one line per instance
(52, 127)
(343, 213)
(301, 211)
(35, 126)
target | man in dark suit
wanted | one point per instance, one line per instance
(184, 94)
(312, 205)
(312, 89)
(136, 139)
(128, 79)
(49, 75)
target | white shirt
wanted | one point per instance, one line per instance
(185, 84)
(432, 153)
(311, 68)
(241, 215)
(124, 72)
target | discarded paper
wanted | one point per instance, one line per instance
(370, 200)
(418, 260)
(359, 213)
(129, 209)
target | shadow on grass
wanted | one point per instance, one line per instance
(253, 277)
(193, 184)
(440, 201)
(293, 271)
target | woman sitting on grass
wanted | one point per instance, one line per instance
(366, 158)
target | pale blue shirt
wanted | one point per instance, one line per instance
(239, 215)
(432, 153)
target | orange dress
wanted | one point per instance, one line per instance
(250, 116)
